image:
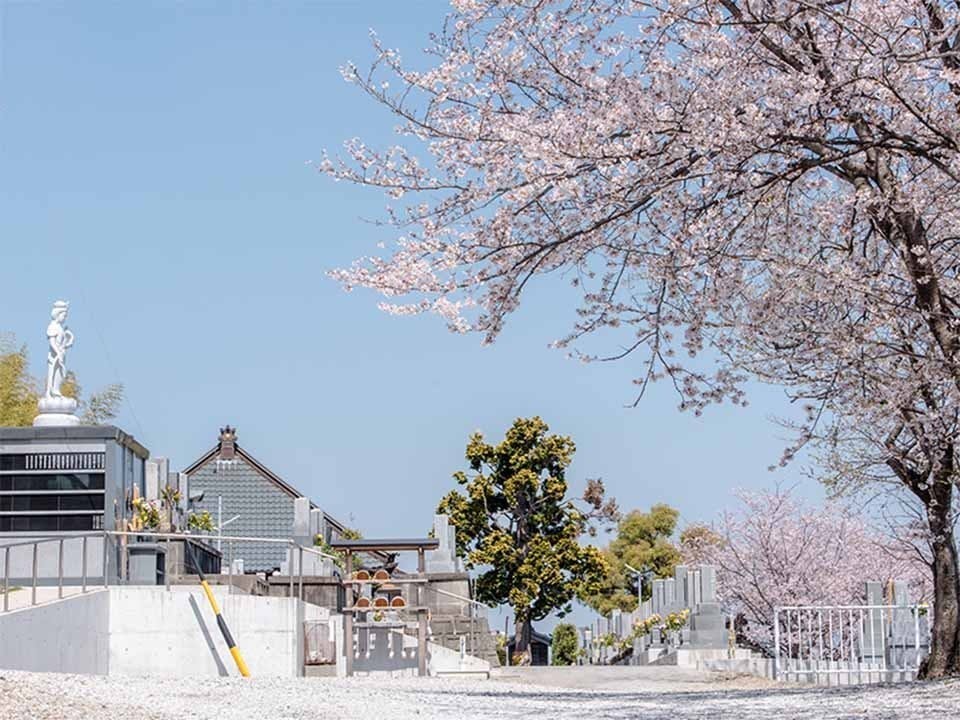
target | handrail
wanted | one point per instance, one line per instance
(911, 606)
(107, 534)
(318, 552)
(173, 536)
(461, 597)
(230, 538)
(53, 538)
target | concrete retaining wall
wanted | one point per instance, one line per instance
(150, 631)
(181, 637)
(68, 636)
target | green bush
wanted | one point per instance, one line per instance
(565, 644)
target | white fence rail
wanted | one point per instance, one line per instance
(849, 644)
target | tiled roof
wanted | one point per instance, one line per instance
(266, 473)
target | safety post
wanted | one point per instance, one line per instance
(221, 623)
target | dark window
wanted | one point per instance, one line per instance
(33, 503)
(73, 481)
(76, 522)
(81, 502)
(34, 522)
(13, 462)
(50, 523)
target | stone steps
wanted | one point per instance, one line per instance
(446, 630)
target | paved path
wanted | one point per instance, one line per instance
(541, 696)
(626, 679)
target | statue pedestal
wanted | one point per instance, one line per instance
(56, 412)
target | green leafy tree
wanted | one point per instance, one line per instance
(18, 394)
(514, 519)
(565, 645)
(19, 391)
(201, 521)
(340, 557)
(644, 542)
(351, 534)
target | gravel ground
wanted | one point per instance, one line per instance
(64, 697)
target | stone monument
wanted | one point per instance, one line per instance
(54, 408)
(444, 559)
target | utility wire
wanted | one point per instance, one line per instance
(110, 364)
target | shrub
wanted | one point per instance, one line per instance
(565, 644)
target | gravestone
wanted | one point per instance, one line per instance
(318, 524)
(871, 629)
(708, 584)
(670, 594)
(616, 622)
(680, 580)
(444, 559)
(908, 641)
(707, 623)
(155, 472)
(305, 528)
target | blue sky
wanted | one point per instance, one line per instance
(153, 171)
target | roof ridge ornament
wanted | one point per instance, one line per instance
(228, 443)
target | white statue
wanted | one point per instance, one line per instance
(55, 409)
(60, 340)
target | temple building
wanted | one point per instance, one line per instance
(237, 485)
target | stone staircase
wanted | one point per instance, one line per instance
(446, 630)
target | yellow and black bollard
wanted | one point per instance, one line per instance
(221, 623)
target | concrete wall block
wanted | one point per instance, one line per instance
(68, 636)
(181, 638)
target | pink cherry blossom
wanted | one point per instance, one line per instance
(736, 190)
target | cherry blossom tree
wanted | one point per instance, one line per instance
(739, 190)
(774, 550)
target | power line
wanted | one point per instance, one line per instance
(112, 366)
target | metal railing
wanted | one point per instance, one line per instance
(114, 540)
(35, 575)
(475, 612)
(849, 644)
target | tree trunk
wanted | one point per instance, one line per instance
(944, 658)
(523, 628)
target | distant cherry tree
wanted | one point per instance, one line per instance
(738, 190)
(774, 550)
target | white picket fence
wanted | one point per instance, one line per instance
(849, 644)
